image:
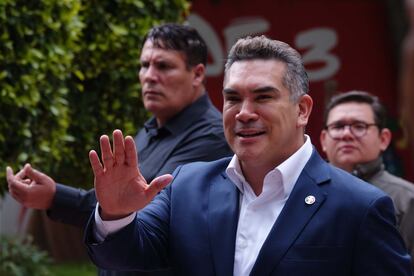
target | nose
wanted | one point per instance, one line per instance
(247, 112)
(347, 133)
(148, 74)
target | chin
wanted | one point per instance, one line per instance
(152, 107)
(348, 162)
(246, 156)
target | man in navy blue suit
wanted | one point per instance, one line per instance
(274, 208)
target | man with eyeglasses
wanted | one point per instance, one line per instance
(354, 137)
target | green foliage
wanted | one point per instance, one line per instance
(70, 269)
(21, 258)
(68, 73)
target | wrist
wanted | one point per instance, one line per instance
(51, 197)
(106, 216)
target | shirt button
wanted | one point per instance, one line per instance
(242, 243)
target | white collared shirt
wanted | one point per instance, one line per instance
(259, 213)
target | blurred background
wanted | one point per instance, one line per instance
(346, 45)
(68, 73)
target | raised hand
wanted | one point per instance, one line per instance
(120, 187)
(33, 189)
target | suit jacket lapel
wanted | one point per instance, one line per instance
(222, 218)
(294, 216)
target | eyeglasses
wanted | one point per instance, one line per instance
(358, 129)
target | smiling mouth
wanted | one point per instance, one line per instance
(250, 134)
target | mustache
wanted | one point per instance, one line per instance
(150, 86)
(240, 126)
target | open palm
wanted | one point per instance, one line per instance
(120, 187)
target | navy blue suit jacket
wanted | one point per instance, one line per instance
(191, 226)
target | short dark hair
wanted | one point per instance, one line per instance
(261, 47)
(380, 114)
(179, 37)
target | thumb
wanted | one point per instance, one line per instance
(9, 175)
(158, 184)
(9, 172)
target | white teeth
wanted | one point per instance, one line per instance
(250, 134)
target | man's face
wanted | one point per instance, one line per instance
(348, 150)
(168, 85)
(261, 123)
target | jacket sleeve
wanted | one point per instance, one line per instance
(378, 239)
(406, 227)
(142, 245)
(72, 206)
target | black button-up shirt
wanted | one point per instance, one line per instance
(195, 134)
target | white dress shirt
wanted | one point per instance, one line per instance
(257, 213)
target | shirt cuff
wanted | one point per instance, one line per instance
(103, 228)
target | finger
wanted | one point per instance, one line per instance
(131, 156)
(119, 148)
(34, 174)
(20, 192)
(16, 188)
(106, 152)
(13, 182)
(11, 178)
(17, 195)
(158, 184)
(20, 174)
(95, 163)
(9, 173)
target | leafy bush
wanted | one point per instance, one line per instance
(68, 73)
(20, 258)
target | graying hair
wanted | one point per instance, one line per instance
(261, 47)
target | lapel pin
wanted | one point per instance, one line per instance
(310, 199)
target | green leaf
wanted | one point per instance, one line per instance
(118, 29)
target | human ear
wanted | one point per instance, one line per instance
(198, 74)
(322, 139)
(385, 138)
(305, 105)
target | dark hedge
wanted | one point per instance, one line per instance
(68, 73)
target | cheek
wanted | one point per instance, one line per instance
(179, 89)
(330, 147)
(178, 79)
(370, 151)
(228, 119)
(277, 115)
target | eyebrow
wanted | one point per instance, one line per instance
(155, 60)
(347, 122)
(263, 89)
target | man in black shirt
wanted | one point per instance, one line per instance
(185, 126)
